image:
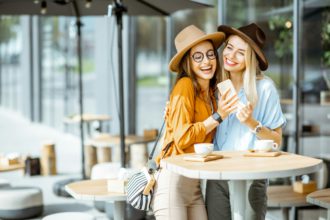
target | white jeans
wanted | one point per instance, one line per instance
(178, 197)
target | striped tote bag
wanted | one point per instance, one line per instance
(140, 187)
(140, 190)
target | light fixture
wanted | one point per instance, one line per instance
(36, 1)
(288, 24)
(43, 7)
(88, 3)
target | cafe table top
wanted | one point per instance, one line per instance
(320, 198)
(107, 139)
(235, 166)
(6, 168)
(87, 117)
(95, 190)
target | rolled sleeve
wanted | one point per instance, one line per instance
(190, 134)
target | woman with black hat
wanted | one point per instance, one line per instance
(259, 117)
(191, 118)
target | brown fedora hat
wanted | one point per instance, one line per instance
(189, 37)
(254, 36)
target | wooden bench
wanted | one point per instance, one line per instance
(285, 198)
(320, 198)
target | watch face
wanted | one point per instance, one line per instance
(258, 129)
(216, 117)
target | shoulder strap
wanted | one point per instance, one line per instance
(165, 152)
(151, 164)
(156, 142)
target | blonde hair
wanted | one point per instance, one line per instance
(251, 74)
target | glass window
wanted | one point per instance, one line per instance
(60, 90)
(151, 69)
(315, 78)
(10, 64)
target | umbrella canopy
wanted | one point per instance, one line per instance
(98, 7)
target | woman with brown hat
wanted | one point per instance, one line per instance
(191, 118)
(259, 117)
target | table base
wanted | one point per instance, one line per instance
(239, 199)
(118, 209)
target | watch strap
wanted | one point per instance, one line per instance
(216, 116)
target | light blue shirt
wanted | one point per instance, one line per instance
(233, 135)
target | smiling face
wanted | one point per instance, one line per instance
(234, 55)
(203, 61)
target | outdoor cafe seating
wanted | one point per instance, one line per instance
(320, 198)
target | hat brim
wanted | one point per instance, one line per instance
(263, 63)
(216, 38)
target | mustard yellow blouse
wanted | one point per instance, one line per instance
(184, 124)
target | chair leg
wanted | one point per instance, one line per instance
(296, 210)
(294, 213)
(285, 213)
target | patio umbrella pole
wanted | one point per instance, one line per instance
(81, 106)
(118, 10)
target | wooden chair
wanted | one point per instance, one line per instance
(285, 198)
(320, 198)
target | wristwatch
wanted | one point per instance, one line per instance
(257, 129)
(216, 116)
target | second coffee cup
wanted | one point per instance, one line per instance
(266, 145)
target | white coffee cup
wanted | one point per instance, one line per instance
(266, 145)
(203, 149)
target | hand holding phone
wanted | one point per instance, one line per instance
(224, 85)
(223, 88)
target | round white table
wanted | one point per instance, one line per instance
(104, 139)
(87, 118)
(241, 171)
(321, 198)
(12, 167)
(97, 190)
(133, 143)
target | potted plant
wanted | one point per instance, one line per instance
(325, 42)
(282, 27)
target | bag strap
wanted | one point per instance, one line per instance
(165, 152)
(156, 142)
(150, 164)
